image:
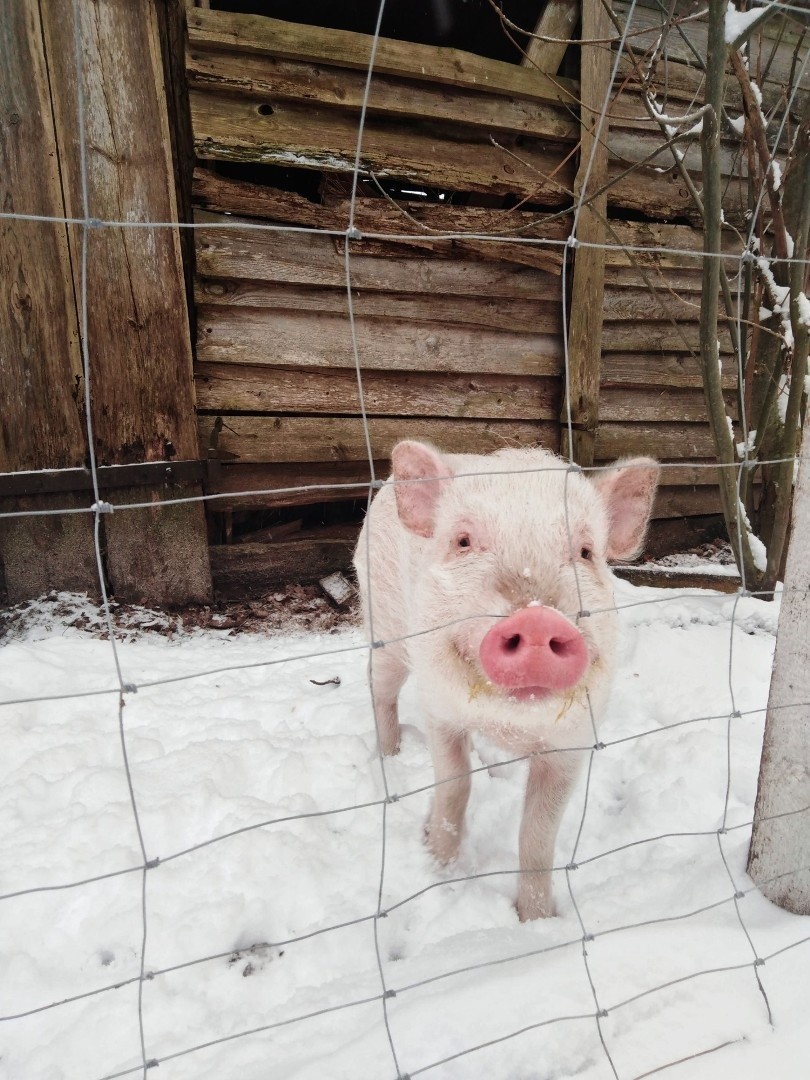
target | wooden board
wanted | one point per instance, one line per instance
(542, 315)
(235, 129)
(312, 259)
(138, 331)
(301, 438)
(269, 79)
(662, 370)
(665, 440)
(41, 382)
(590, 227)
(247, 571)
(228, 388)
(289, 339)
(341, 48)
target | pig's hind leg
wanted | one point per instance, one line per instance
(388, 673)
(547, 791)
(451, 766)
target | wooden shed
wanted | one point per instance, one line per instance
(458, 207)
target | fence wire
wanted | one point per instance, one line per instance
(149, 864)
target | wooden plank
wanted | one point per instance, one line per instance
(675, 502)
(291, 484)
(661, 577)
(663, 336)
(289, 339)
(304, 483)
(233, 129)
(248, 570)
(642, 304)
(310, 259)
(558, 20)
(588, 286)
(268, 78)
(139, 342)
(373, 215)
(298, 438)
(234, 250)
(40, 372)
(233, 388)
(228, 388)
(342, 48)
(665, 440)
(658, 404)
(664, 370)
(543, 315)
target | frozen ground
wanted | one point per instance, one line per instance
(221, 753)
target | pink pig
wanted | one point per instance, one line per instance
(488, 561)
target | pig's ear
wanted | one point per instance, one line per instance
(417, 501)
(628, 490)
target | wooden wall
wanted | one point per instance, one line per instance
(459, 340)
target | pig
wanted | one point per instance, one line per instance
(487, 578)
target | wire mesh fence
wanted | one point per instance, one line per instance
(121, 688)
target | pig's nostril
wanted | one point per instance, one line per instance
(512, 644)
(558, 647)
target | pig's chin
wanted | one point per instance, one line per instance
(527, 695)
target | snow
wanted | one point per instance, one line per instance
(257, 742)
(737, 22)
(776, 174)
(738, 123)
(804, 308)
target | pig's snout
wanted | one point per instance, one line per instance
(534, 651)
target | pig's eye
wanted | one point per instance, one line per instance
(585, 553)
(463, 540)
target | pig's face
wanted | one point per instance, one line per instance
(510, 559)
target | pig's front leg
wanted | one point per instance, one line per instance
(388, 672)
(451, 766)
(551, 778)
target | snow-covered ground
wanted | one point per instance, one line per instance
(223, 752)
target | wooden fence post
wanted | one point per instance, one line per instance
(41, 417)
(588, 287)
(138, 329)
(779, 859)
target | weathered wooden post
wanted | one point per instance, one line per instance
(588, 286)
(779, 859)
(138, 329)
(41, 416)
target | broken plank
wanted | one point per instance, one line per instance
(233, 129)
(343, 48)
(248, 570)
(270, 79)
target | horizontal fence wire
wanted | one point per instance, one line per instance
(150, 863)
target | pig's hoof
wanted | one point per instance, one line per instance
(390, 747)
(442, 840)
(389, 735)
(535, 907)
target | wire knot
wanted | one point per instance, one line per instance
(102, 507)
(129, 688)
(572, 866)
(354, 233)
